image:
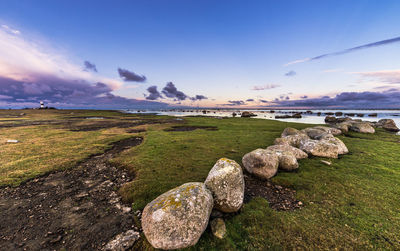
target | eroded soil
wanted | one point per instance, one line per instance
(278, 197)
(76, 209)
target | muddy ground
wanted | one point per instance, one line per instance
(73, 209)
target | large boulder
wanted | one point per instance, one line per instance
(362, 127)
(320, 148)
(261, 163)
(314, 133)
(287, 160)
(291, 140)
(299, 154)
(331, 130)
(388, 124)
(226, 183)
(177, 218)
(330, 119)
(248, 114)
(342, 148)
(290, 131)
(344, 126)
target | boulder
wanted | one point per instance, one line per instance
(218, 228)
(331, 130)
(122, 241)
(226, 183)
(343, 127)
(345, 119)
(330, 119)
(287, 160)
(320, 148)
(299, 154)
(177, 218)
(290, 131)
(261, 163)
(362, 127)
(314, 133)
(248, 114)
(292, 140)
(342, 148)
(388, 124)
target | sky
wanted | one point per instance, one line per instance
(226, 54)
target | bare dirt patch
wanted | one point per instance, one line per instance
(184, 128)
(278, 197)
(76, 209)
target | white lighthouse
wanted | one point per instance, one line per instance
(41, 104)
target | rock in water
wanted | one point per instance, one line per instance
(320, 148)
(299, 154)
(363, 127)
(388, 124)
(262, 163)
(218, 228)
(287, 160)
(248, 114)
(226, 183)
(177, 218)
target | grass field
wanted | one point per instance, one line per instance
(352, 204)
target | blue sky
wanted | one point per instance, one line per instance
(223, 50)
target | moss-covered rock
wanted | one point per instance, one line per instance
(177, 218)
(261, 163)
(226, 183)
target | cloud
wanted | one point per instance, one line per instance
(130, 76)
(154, 93)
(31, 71)
(198, 97)
(250, 100)
(389, 77)
(265, 87)
(89, 66)
(350, 100)
(331, 70)
(304, 97)
(235, 102)
(290, 74)
(365, 46)
(170, 91)
(263, 101)
(10, 30)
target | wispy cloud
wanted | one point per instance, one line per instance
(331, 70)
(265, 87)
(361, 47)
(387, 76)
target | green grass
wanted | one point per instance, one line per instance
(352, 204)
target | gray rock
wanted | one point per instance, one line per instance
(291, 140)
(177, 218)
(226, 183)
(287, 160)
(261, 163)
(330, 119)
(314, 133)
(290, 131)
(344, 126)
(387, 124)
(122, 241)
(331, 130)
(362, 127)
(320, 148)
(299, 154)
(342, 148)
(218, 228)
